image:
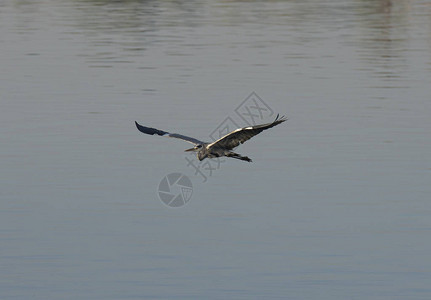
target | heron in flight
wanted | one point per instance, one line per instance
(224, 145)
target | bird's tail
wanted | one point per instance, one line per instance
(238, 156)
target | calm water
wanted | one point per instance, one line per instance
(336, 204)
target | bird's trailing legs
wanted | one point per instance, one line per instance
(238, 156)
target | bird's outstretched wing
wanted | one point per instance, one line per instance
(152, 131)
(240, 135)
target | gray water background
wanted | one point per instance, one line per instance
(336, 204)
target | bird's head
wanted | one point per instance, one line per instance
(194, 149)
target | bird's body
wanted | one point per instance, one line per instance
(207, 151)
(221, 147)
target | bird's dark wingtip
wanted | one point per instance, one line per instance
(140, 127)
(137, 125)
(280, 119)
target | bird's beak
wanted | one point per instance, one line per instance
(189, 150)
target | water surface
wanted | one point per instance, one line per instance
(334, 206)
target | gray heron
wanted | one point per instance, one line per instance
(221, 147)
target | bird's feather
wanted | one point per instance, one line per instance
(241, 135)
(152, 131)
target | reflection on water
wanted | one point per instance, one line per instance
(335, 205)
